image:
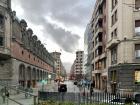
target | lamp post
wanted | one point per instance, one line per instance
(49, 77)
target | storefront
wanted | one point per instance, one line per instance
(124, 77)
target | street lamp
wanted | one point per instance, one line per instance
(49, 77)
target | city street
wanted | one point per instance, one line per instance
(29, 100)
(71, 87)
(51, 87)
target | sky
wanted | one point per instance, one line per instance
(58, 24)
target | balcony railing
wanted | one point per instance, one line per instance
(113, 42)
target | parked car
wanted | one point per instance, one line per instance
(62, 88)
(75, 83)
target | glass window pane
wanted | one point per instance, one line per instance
(1, 41)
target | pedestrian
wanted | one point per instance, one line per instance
(3, 94)
(26, 92)
(7, 93)
(62, 89)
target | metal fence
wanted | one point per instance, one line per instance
(86, 98)
(16, 95)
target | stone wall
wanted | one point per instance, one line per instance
(125, 76)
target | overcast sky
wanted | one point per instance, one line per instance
(59, 24)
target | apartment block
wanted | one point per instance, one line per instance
(76, 71)
(116, 45)
(99, 23)
(123, 45)
(60, 69)
(72, 75)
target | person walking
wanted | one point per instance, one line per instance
(2, 92)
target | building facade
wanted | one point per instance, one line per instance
(78, 65)
(116, 45)
(72, 75)
(60, 69)
(98, 46)
(88, 54)
(123, 44)
(23, 58)
(56, 56)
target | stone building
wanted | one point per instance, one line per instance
(123, 44)
(72, 76)
(60, 69)
(116, 45)
(56, 56)
(98, 24)
(23, 58)
(77, 67)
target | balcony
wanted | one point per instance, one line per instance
(97, 71)
(98, 44)
(4, 53)
(92, 61)
(101, 1)
(99, 18)
(98, 31)
(113, 42)
(137, 10)
(97, 58)
(103, 55)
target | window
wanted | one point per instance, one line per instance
(115, 32)
(137, 76)
(22, 52)
(137, 27)
(113, 75)
(114, 55)
(104, 18)
(114, 3)
(137, 51)
(100, 65)
(1, 41)
(96, 53)
(114, 17)
(96, 66)
(112, 34)
(137, 4)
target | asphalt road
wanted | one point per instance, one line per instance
(71, 87)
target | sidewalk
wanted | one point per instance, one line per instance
(51, 87)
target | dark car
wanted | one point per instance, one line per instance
(75, 83)
(62, 88)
